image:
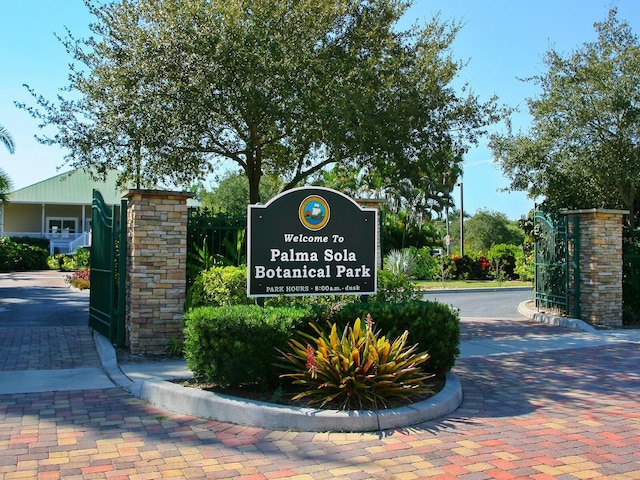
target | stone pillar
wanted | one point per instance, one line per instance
(600, 264)
(375, 203)
(156, 269)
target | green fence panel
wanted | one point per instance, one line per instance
(214, 239)
(631, 278)
(108, 241)
(551, 279)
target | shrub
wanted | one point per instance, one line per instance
(525, 267)
(400, 262)
(435, 327)
(503, 259)
(464, 267)
(218, 286)
(21, 256)
(82, 258)
(361, 369)
(79, 279)
(426, 267)
(484, 266)
(69, 262)
(56, 261)
(319, 303)
(236, 345)
(394, 287)
(446, 268)
(198, 259)
(32, 241)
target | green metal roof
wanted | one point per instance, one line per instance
(74, 188)
(70, 188)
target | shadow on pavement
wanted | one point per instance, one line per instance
(41, 299)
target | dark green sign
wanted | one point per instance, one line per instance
(311, 241)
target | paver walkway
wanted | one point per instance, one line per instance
(565, 414)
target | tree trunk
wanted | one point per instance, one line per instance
(254, 175)
(628, 194)
(254, 164)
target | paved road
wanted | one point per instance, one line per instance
(500, 303)
(41, 299)
(43, 324)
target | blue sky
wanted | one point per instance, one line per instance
(502, 40)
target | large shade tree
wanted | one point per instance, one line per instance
(167, 90)
(231, 193)
(583, 147)
(487, 228)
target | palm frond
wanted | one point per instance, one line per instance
(7, 139)
(5, 186)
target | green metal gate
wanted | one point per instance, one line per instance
(631, 277)
(108, 270)
(557, 270)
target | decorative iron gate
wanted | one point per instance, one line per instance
(556, 263)
(631, 277)
(108, 270)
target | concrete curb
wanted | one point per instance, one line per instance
(571, 323)
(109, 361)
(476, 290)
(223, 408)
(240, 411)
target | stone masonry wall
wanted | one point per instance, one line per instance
(600, 265)
(156, 269)
(375, 204)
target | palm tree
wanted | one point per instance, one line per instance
(7, 139)
(5, 186)
(5, 181)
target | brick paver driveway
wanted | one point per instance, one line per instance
(566, 414)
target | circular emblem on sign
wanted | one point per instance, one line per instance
(314, 212)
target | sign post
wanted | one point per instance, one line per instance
(311, 241)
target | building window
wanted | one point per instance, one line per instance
(62, 226)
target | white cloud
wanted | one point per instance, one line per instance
(478, 163)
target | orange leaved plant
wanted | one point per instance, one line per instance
(360, 369)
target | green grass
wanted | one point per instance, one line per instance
(427, 285)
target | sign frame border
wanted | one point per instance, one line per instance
(376, 238)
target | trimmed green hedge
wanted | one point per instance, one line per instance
(219, 286)
(434, 326)
(235, 345)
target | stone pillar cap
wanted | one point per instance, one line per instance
(138, 191)
(583, 211)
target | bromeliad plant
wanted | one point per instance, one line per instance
(361, 369)
(80, 279)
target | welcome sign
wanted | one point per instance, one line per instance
(311, 241)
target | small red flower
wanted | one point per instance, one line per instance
(311, 364)
(369, 322)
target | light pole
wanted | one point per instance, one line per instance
(461, 220)
(445, 185)
(448, 238)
